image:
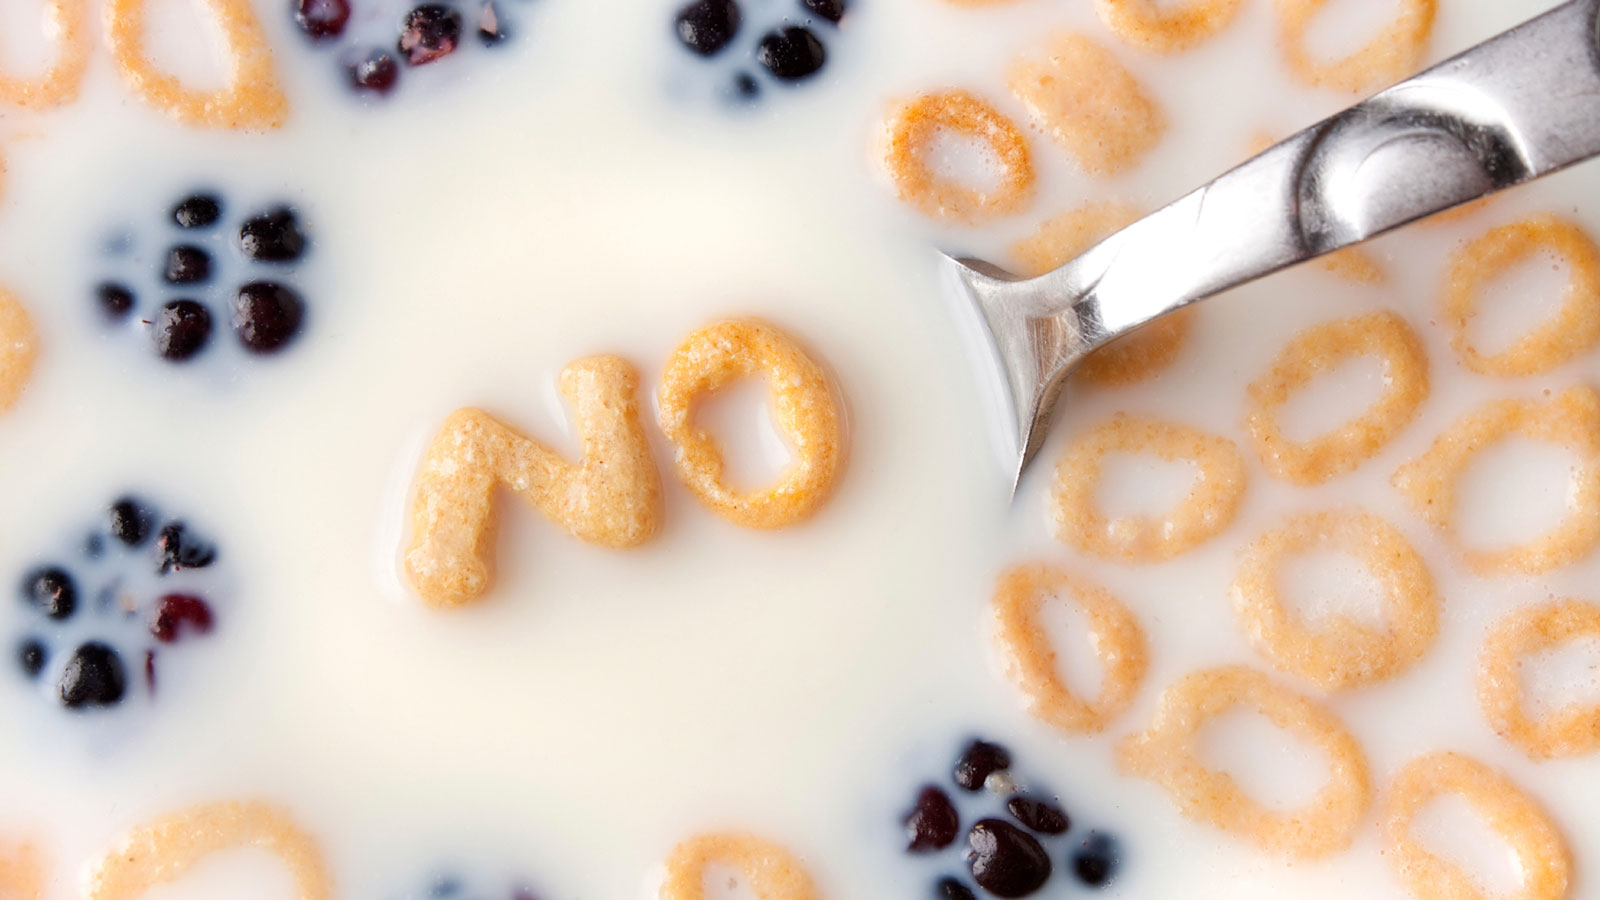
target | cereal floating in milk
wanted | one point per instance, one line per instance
(772, 872)
(912, 132)
(1167, 27)
(1391, 55)
(1094, 108)
(1569, 730)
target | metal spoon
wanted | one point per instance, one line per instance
(1514, 108)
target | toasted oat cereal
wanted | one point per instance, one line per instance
(1342, 653)
(1573, 730)
(163, 851)
(611, 498)
(19, 349)
(1089, 103)
(1570, 419)
(912, 130)
(1029, 656)
(1396, 51)
(1167, 27)
(1574, 329)
(772, 872)
(1168, 754)
(1319, 350)
(251, 101)
(21, 873)
(1132, 357)
(59, 84)
(1207, 509)
(802, 404)
(1540, 849)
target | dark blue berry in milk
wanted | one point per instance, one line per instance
(1095, 860)
(52, 592)
(430, 32)
(708, 26)
(952, 889)
(791, 53)
(977, 762)
(1005, 860)
(266, 316)
(832, 10)
(743, 45)
(474, 886)
(187, 264)
(1038, 816)
(197, 211)
(180, 330)
(94, 676)
(115, 300)
(272, 236)
(933, 824)
(322, 19)
(32, 655)
(374, 71)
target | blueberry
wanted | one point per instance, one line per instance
(32, 656)
(174, 611)
(181, 330)
(52, 591)
(93, 677)
(130, 522)
(266, 316)
(791, 53)
(980, 760)
(832, 10)
(1095, 861)
(115, 300)
(376, 71)
(187, 264)
(199, 210)
(706, 26)
(322, 19)
(490, 29)
(1040, 816)
(1005, 860)
(429, 32)
(745, 86)
(177, 549)
(952, 889)
(272, 236)
(933, 823)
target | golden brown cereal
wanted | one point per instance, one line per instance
(68, 23)
(1573, 730)
(1168, 754)
(1394, 53)
(773, 873)
(1343, 653)
(1207, 509)
(251, 101)
(163, 851)
(1167, 27)
(612, 498)
(1089, 103)
(1132, 357)
(1572, 330)
(802, 405)
(912, 130)
(1570, 420)
(21, 873)
(1029, 656)
(1322, 349)
(19, 349)
(1540, 849)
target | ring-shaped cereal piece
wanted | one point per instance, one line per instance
(1028, 656)
(1343, 653)
(1571, 420)
(1573, 730)
(912, 130)
(19, 349)
(1540, 849)
(1394, 53)
(163, 851)
(1204, 512)
(1167, 27)
(252, 99)
(1322, 349)
(802, 405)
(1168, 754)
(1573, 329)
(58, 85)
(1087, 100)
(773, 872)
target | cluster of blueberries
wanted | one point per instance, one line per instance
(788, 51)
(418, 36)
(1007, 853)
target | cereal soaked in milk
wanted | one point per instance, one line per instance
(525, 449)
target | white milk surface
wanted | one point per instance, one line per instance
(580, 191)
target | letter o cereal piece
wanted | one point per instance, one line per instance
(1168, 754)
(1167, 27)
(1090, 103)
(1394, 53)
(1570, 731)
(802, 404)
(59, 84)
(1572, 330)
(1029, 657)
(1343, 653)
(912, 131)
(1540, 849)
(1571, 420)
(772, 872)
(163, 851)
(1321, 349)
(19, 349)
(251, 101)
(1208, 508)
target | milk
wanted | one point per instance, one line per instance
(582, 191)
